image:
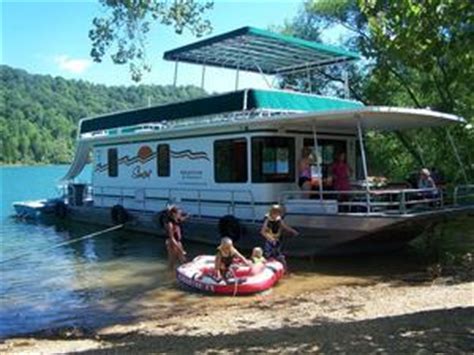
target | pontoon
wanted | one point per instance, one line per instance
(226, 158)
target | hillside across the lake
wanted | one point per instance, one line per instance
(39, 113)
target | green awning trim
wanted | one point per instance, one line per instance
(256, 50)
(239, 101)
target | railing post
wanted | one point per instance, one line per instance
(403, 206)
(364, 161)
(232, 202)
(199, 204)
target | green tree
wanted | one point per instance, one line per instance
(417, 54)
(39, 114)
(124, 28)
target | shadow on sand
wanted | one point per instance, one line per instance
(444, 331)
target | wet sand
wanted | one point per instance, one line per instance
(408, 313)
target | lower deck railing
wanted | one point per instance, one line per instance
(376, 202)
(391, 201)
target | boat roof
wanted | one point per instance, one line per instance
(248, 100)
(261, 51)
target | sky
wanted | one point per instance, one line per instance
(52, 38)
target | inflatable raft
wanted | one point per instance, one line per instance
(199, 274)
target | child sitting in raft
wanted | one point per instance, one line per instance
(273, 226)
(226, 252)
(257, 256)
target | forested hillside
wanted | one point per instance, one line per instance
(39, 113)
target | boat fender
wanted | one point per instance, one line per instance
(161, 218)
(229, 226)
(119, 214)
(60, 210)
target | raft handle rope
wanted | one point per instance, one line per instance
(92, 235)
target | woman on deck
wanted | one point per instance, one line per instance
(341, 172)
(226, 252)
(174, 246)
(425, 180)
(272, 229)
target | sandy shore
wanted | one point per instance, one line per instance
(388, 317)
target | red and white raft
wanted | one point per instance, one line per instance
(199, 274)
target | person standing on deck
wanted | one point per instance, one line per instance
(341, 172)
(174, 246)
(272, 229)
(304, 171)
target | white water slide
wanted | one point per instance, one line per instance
(80, 160)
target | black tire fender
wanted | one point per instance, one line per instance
(119, 214)
(161, 218)
(60, 210)
(229, 226)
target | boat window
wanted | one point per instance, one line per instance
(163, 160)
(112, 162)
(230, 160)
(273, 159)
(329, 149)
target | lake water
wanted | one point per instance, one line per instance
(122, 276)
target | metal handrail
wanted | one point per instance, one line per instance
(460, 188)
(403, 203)
(171, 195)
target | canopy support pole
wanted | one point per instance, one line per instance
(364, 161)
(420, 152)
(237, 79)
(309, 80)
(458, 157)
(203, 76)
(263, 75)
(318, 163)
(345, 78)
(175, 79)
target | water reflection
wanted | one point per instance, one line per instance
(121, 275)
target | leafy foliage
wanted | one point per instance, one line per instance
(417, 54)
(126, 24)
(39, 113)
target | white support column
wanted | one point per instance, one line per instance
(364, 161)
(345, 78)
(203, 76)
(175, 79)
(237, 72)
(309, 80)
(318, 163)
(458, 157)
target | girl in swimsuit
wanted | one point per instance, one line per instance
(273, 226)
(174, 245)
(226, 252)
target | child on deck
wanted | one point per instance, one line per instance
(273, 226)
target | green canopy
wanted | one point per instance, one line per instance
(257, 50)
(238, 101)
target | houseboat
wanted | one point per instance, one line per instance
(226, 158)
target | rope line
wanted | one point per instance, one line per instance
(92, 235)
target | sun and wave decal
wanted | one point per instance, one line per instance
(187, 153)
(146, 154)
